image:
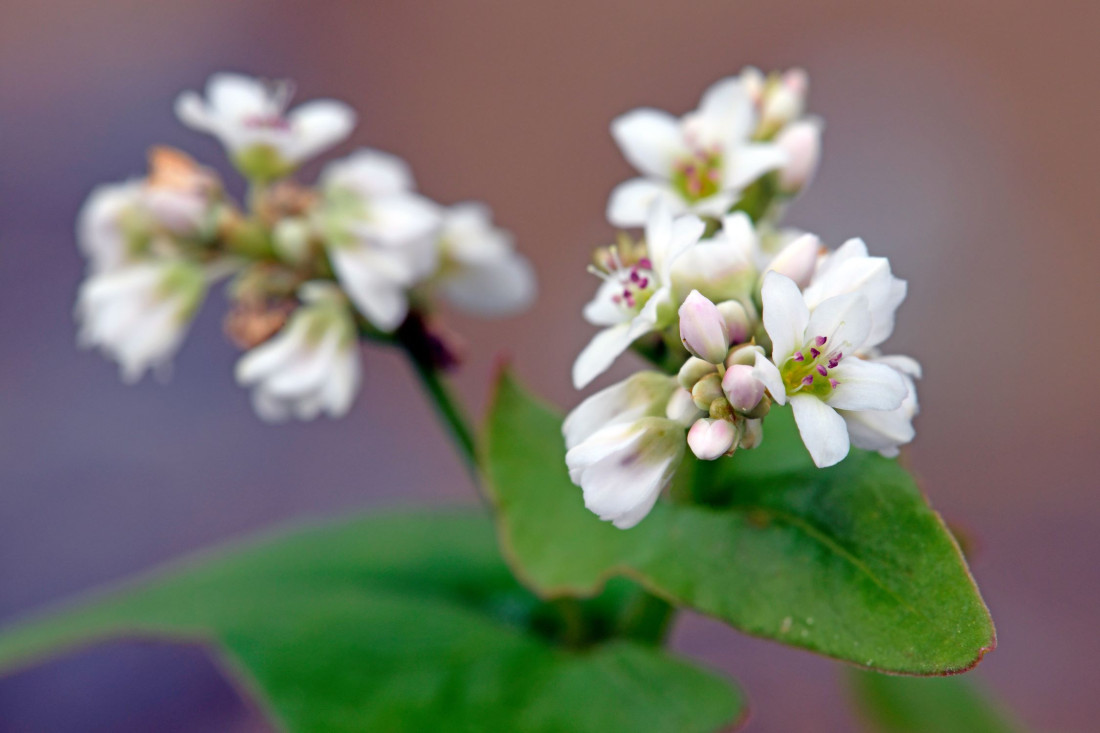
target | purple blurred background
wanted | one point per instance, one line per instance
(961, 142)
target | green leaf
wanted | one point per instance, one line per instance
(407, 623)
(901, 705)
(849, 561)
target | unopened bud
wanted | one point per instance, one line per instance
(752, 434)
(692, 371)
(681, 407)
(709, 439)
(802, 142)
(720, 410)
(707, 390)
(744, 354)
(743, 390)
(785, 98)
(763, 407)
(798, 259)
(291, 238)
(738, 323)
(702, 329)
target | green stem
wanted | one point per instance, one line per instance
(449, 409)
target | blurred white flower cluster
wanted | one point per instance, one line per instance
(736, 313)
(314, 269)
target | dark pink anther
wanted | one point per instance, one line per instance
(822, 370)
(836, 360)
(634, 276)
(821, 340)
(814, 353)
(808, 380)
(799, 357)
(645, 264)
(643, 283)
(832, 383)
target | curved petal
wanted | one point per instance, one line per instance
(399, 218)
(727, 100)
(601, 351)
(643, 394)
(369, 173)
(865, 385)
(192, 111)
(785, 315)
(749, 162)
(650, 139)
(768, 373)
(317, 126)
(823, 430)
(631, 201)
(844, 321)
(493, 288)
(236, 96)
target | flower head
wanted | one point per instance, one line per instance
(815, 365)
(636, 297)
(138, 314)
(250, 118)
(379, 233)
(311, 366)
(698, 163)
(479, 269)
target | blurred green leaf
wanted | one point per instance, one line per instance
(849, 561)
(945, 705)
(408, 623)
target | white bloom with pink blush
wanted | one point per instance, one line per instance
(250, 118)
(636, 298)
(814, 364)
(697, 163)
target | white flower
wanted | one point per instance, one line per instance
(138, 314)
(721, 267)
(104, 229)
(636, 298)
(479, 269)
(886, 431)
(250, 118)
(814, 364)
(379, 233)
(311, 366)
(623, 449)
(697, 163)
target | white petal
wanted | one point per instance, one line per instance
(192, 111)
(785, 315)
(907, 365)
(798, 259)
(640, 395)
(317, 126)
(823, 431)
(864, 385)
(751, 161)
(602, 310)
(398, 218)
(601, 351)
(716, 205)
(496, 288)
(369, 173)
(631, 201)
(883, 431)
(728, 101)
(844, 321)
(650, 139)
(236, 96)
(338, 393)
(382, 300)
(768, 373)
(268, 357)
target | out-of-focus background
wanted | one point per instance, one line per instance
(962, 141)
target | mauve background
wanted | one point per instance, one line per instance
(961, 142)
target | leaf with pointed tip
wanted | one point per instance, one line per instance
(405, 623)
(900, 705)
(849, 562)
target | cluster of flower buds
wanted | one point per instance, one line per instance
(736, 313)
(314, 268)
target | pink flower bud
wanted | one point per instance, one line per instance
(702, 329)
(743, 390)
(737, 321)
(709, 439)
(798, 259)
(802, 142)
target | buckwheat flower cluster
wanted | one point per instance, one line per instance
(735, 314)
(313, 270)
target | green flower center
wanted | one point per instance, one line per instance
(698, 175)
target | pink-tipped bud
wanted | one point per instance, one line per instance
(703, 330)
(738, 323)
(742, 389)
(798, 259)
(709, 439)
(802, 142)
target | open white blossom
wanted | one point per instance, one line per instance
(379, 233)
(623, 449)
(138, 314)
(311, 366)
(636, 298)
(479, 268)
(104, 229)
(698, 163)
(814, 364)
(250, 118)
(886, 431)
